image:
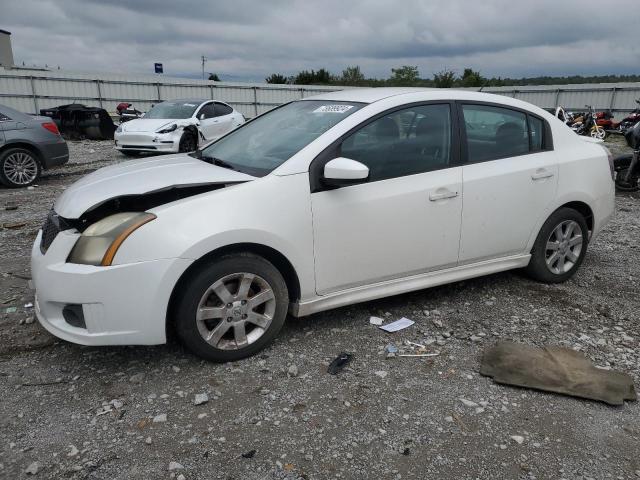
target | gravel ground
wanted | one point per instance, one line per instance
(113, 413)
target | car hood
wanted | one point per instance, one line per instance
(138, 177)
(152, 124)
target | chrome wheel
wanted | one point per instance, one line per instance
(20, 168)
(236, 311)
(563, 247)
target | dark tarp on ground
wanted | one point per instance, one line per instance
(555, 369)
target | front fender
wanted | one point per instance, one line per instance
(271, 211)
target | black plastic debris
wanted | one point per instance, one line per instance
(76, 121)
(249, 454)
(339, 363)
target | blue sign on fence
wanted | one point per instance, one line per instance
(158, 67)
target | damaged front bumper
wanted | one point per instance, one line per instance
(90, 305)
(147, 142)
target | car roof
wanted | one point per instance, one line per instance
(376, 94)
(188, 100)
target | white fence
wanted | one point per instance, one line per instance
(31, 90)
(617, 97)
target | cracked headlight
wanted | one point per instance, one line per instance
(99, 243)
(168, 129)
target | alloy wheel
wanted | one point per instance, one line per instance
(236, 311)
(564, 246)
(20, 168)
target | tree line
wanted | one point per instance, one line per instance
(409, 76)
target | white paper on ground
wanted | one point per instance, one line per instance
(376, 321)
(397, 325)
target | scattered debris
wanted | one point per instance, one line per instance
(397, 325)
(391, 350)
(381, 373)
(175, 466)
(33, 468)
(339, 363)
(14, 226)
(468, 403)
(292, 371)
(28, 305)
(160, 418)
(201, 398)
(73, 452)
(377, 321)
(555, 369)
(517, 438)
(249, 454)
(419, 354)
(137, 378)
(11, 310)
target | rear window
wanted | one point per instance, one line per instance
(495, 132)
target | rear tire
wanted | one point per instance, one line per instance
(231, 308)
(19, 167)
(560, 247)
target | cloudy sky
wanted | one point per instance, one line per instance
(249, 39)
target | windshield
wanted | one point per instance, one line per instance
(171, 110)
(267, 142)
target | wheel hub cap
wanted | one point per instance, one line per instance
(235, 311)
(20, 168)
(563, 247)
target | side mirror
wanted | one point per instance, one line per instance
(344, 171)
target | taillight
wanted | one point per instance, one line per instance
(610, 158)
(52, 127)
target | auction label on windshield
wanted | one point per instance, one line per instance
(333, 109)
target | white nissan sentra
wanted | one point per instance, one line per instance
(327, 201)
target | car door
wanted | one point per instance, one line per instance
(224, 118)
(207, 118)
(406, 218)
(510, 177)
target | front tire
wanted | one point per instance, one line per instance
(560, 247)
(231, 308)
(188, 143)
(19, 167)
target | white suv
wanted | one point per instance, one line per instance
(328, 201)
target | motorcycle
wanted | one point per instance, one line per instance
(126, 112)
(630, 120)
(587, 125)
(605, 120)
(627, 167)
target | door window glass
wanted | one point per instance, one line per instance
(404, 142)
(494, 132)
(536, 130)
(222, 109)
(208, 111)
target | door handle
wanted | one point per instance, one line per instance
(434, 197)
(540, 174)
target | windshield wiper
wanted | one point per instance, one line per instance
(218, 162)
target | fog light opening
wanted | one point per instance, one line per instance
(74, 316)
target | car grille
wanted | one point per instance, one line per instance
(53, 225)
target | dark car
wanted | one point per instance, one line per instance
(28, 144)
